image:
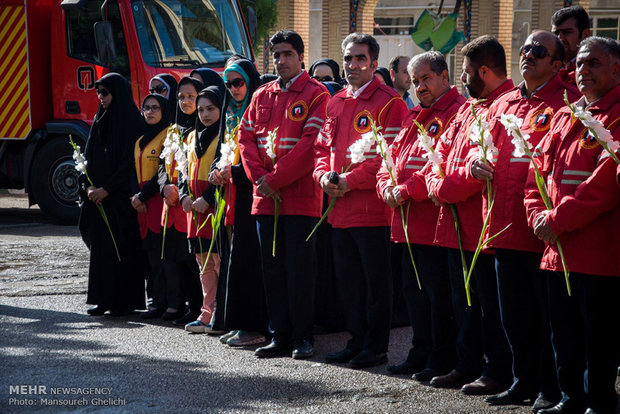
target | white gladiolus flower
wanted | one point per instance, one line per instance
(180, 156)
(271, 144)
(511, 122)
(425, 142)
(81, 166)
(361, 146)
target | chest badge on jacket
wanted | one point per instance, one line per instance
(541, 120)
(587, 140)
(434, 128)
(298, 111)
(361, 122)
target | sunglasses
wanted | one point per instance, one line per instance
(158, 89)
(154, 108)
(538, 51)
(103, 92)
(323, 78)
(235, 83)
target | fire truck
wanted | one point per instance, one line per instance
(51, 53)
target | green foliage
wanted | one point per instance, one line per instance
(266, 16)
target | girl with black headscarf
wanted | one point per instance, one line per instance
(240, 306)
(165, 84)
(147, 202)
(113, 285)
(180, 268)
(385, 76)
(196, 195)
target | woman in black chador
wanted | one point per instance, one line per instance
(113, 285)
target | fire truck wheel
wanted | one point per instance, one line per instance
(54, 181)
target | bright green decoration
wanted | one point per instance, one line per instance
(432, 31)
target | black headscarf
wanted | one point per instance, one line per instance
(186, 122)
(152, 130)
(109, 149)
(386, 75)
(209, 77)
(332, 64)
(206, 134)
(171, 83)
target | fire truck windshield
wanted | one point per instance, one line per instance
(189, 33)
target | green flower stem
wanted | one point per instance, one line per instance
(276, 214)
(216, 220)
(163, 235)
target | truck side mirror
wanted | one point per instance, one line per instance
(252, 22)
(104, 39)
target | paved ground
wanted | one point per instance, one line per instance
(106, 364)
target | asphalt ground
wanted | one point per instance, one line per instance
(71, 362)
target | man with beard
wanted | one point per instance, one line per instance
(522, 285)
(571, 25)
(581, 182)
(480, 332)
(400, 78)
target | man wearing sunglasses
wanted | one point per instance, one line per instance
(585, 218)
(571, 25)
(518, 252)
(292, 107)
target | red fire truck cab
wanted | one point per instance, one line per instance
(51, 53)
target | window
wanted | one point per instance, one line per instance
(605, 26)
(394, 25)
(81, 38)
(174, 33)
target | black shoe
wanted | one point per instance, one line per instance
(96, 311)
(170, 316)
(566, 407)
(120, 312)
(367, 359)
(544, 401)
(406, 368)
(508, 397)
(302, 349)
(340, 357)
(152, 314)
(274, 349)
(186, 318)
(426, 375)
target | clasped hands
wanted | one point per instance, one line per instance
(334, 190)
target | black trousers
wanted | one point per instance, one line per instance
(524, 308)
(586, 330)
(362, 266)
(481, 342)
(289, 277)
(429, 309)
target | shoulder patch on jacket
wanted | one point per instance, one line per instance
(541, 120)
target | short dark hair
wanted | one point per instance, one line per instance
(612, 47)
(435, 60)
(288, 36)
(395, 61)
(364, 39)
(577, 12)
(486, 51)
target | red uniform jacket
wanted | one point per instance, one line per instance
(198, 184)
(299, 114)
(347, 119)
(567, 74)
(409, 162)
(147, 163)
(581, 182)
(510, 171)
(454, 145)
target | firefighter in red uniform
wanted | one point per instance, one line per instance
(571, 25)
(522, 286)
(480, 332)
(295, 104)
(360, 220)
(581, 182)
(434, 333)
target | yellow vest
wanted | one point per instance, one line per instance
(147, 159)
